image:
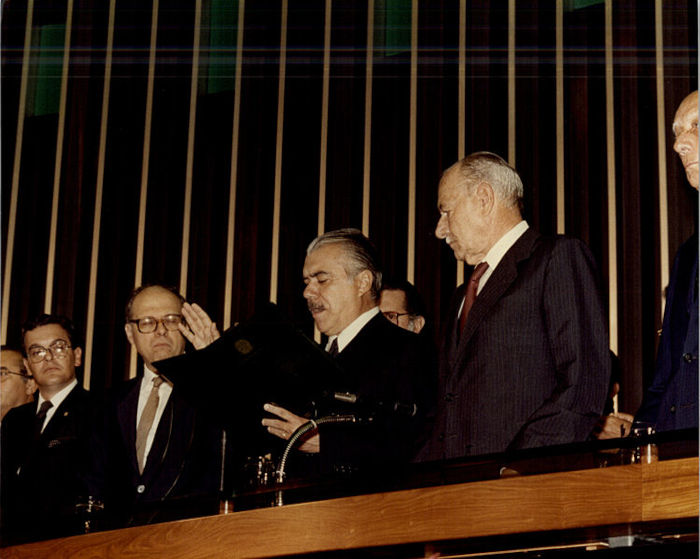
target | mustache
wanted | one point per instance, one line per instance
(313, 307)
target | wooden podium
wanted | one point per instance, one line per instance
(589, 507)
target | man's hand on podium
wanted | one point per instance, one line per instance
(287, 424)
(613, 426)
(200, 330)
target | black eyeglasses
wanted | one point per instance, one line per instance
(394, 316)
(5, 372)
(58, 350)
(149, 324)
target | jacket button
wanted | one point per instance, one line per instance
(673, 409)
(449, 397)
(140, 489)
(441, 437)
(688, 357)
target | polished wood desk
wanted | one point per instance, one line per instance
(594, 498)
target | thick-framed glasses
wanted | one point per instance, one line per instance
(394, 316)
(5, 372)
(58, 350)
(149, 324)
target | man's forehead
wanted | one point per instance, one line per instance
(10, 357)
(687, 111)
(394, 298)
(155, 299)
(323, 259)
(45, 334)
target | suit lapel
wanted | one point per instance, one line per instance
(500, 281)
(126, 413)
(61, 416)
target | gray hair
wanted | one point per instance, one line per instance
(360, 251)
(493, 169)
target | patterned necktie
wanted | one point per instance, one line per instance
(41, 416)
(333, 350)
(147, 416)
(470, 295)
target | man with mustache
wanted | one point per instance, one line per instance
(671, 401)
(379, 362)
(45, 443)
(157, 450)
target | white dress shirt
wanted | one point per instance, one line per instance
(495, 255)
(352, 329)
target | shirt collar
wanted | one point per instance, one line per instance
(498, 251)
(352, 329)
(57, 399)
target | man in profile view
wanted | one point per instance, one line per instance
(671, 401)
(524, 362)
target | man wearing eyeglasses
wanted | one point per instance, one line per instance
(17, 386)
(401, 304)
(44, 444)
(157, 450)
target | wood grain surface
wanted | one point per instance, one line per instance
(558, 501)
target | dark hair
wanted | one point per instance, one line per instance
(414, 302)
(45, 319)
(138, 290)
(361, 252)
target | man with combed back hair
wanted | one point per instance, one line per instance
(379, 362)
(524, 361)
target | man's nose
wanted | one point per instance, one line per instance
(682, 144)
(441, 228)
(161, 330)
(309, 291)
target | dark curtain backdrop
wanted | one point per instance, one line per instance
(436, 119)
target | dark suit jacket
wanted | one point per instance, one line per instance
(671, 402)
(383, 364)
(532, 366)
(181, 477)
(43, 478)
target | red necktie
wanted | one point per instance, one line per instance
(470, 295)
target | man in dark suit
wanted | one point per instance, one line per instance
(387, 367)
(524, 359)
(671, 401)
(159, 457)
(44, 444)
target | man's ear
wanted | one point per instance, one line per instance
(363, 280)
(129, 333)
(418, 323)
(77, 356)
(31, 387)
(485, 197)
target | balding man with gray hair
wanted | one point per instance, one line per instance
(524, 361)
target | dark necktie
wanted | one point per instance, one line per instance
(146, 422)
(41, 416)
(333, 350)
(470, 295)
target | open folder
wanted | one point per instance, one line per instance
(264, 359)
